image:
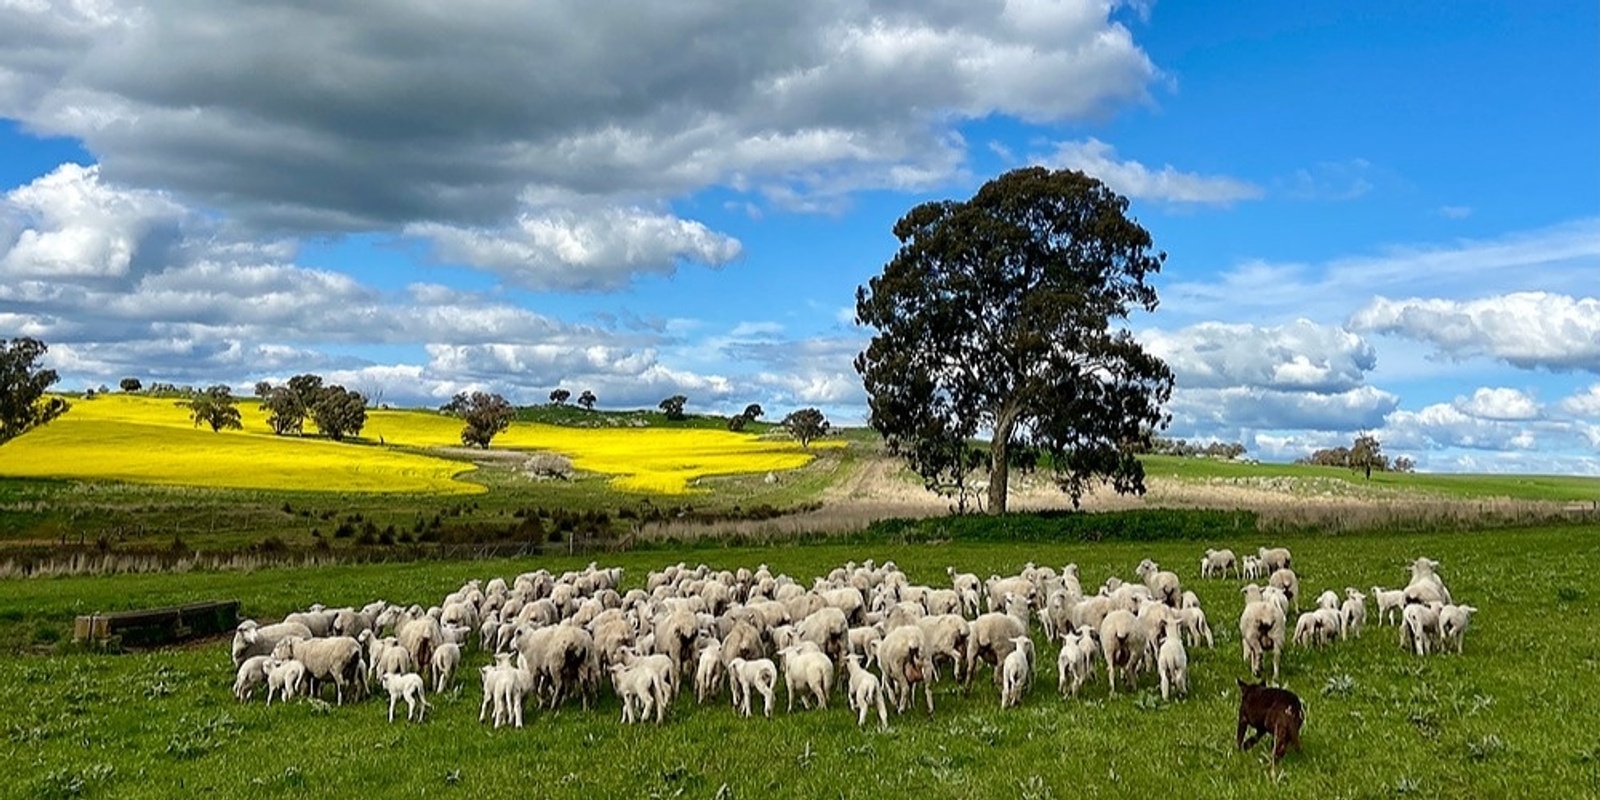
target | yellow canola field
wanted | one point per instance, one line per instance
(660, 460)
(151, 440)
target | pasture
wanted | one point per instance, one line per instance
(1517, 714)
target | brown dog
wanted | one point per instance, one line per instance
(1270, 710)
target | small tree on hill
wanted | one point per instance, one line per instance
(559, 397)
(339, 412)
(673, 406)
(753, 411)
(22, 388)
(806, 425)
(1366, 455)
(215, 407)
(587, 400)
(486, 416)
(130, 385)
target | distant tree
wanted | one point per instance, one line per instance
(753, 411)
(673, 406)
(806, 425)
(130, 385)
(288, 405)
(216, 407)
(486, 416)
(1403, 464)
(22, 387)
(339, 412)
(587, 400)
(1366, 455)
(559, 397)
(737, 422)
(1327, 457)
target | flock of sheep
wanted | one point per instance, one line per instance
(868, 627)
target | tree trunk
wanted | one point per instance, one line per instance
(1000, 465)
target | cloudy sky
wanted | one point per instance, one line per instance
(1380, 216)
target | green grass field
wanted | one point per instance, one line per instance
(1517, 715)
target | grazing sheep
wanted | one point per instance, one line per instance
(1289, 583)
(991, 640)
(1076, 661)
(1274, 559)
(1252, 568)
(1318, 627)
(904, 662)
(865, 690)
(251, 640)
(445, 661)
(1419, 622)
(1277, 712)
(1217, 563)
(284, 678)
(1172, 662)
(948, 636)
(389, 658)
(1195, 625)
(1017, 672)
(759, 675)
(1122, 640)
(1162, 583)
(336, 658)
(1354, 611)
(1453, 622)
(409, 687)
(863, 642)
(807, 668)
(1261, 628)
(1388, 600)
(251, 673)
(708, 672)
(829, 629)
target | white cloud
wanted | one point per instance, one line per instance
(1499, 403)
(569, 250)
(1524, 329)
(69, 224)
(1227, 412)
(1299, 356)
(1445, 425)
(1584, 404)
(1137, 181)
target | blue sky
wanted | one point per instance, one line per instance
(1379, 217)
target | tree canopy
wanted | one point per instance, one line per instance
(130, 384)
(486, 416)
(339, 412)
(559, 397)
(806, 425)
(587, 400)
(1003, 315)
(215, 407)
(673, 406)
(22, 386)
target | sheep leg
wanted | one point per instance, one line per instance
(392, 700)
(883, 711)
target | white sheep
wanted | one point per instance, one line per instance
(336, 658)
(250, 639)
(758, 675)
(1426, 586)
(806, 668)
(1388, 600)
(708, 672)
(1163, 584)
(1418, 623)
(1075, 664)
(1122, 641)
(1261, 628)
(1252, 568)
(1172, 662)
(1318, 627)
(1328, 599)
(1285, 580)
(1017, 672)
(505, 687)
(904, 661)
(1217, 563)
(865, 691)
(1195, 625)
(446, 659)
(1453, 622)
(284, 679)
(409, 687)
(1274, 559)
(1354, 611)
(641, 689)
(252, 672)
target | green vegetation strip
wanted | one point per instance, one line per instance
(1517, 714)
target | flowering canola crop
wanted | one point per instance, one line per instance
(151, 440)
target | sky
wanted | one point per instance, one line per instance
(1379, 217)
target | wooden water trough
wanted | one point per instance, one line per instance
(158, 626)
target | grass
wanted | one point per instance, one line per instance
(1307, 479)
(1515, 715)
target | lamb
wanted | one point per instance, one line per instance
(251, 673)
(1123, 642)
(389, 658)
(759, 675)
(1218, 562)
(991, 641)
(1453, 622)
(641, 690)
(1388, 600)
(708, 672)
(1076, 661)
(948, 637)
(445, 661)
(1162, 584)
(251, 639)
(1354, 611)
(865, 690)
(1269, 711)
(284, 678)
(1194, 623)
(1286, 580)
(336, 658)
(1261, 628)
(1017, 672)
(409, 687)
(1328, 599)
(808, 669)
(506, 687)
(1417, 623)
(1274, 558)
(1317, 627)
(1252, 568)
(1172, 662)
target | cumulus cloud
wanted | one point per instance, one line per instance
(1138, 181)
(349, 116)
(1499, 403)
(1447, 425)
(69, 224)
(1584, 404)
(1299, 356)
(1241, 408)
(581, 251)
(1525, 329)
